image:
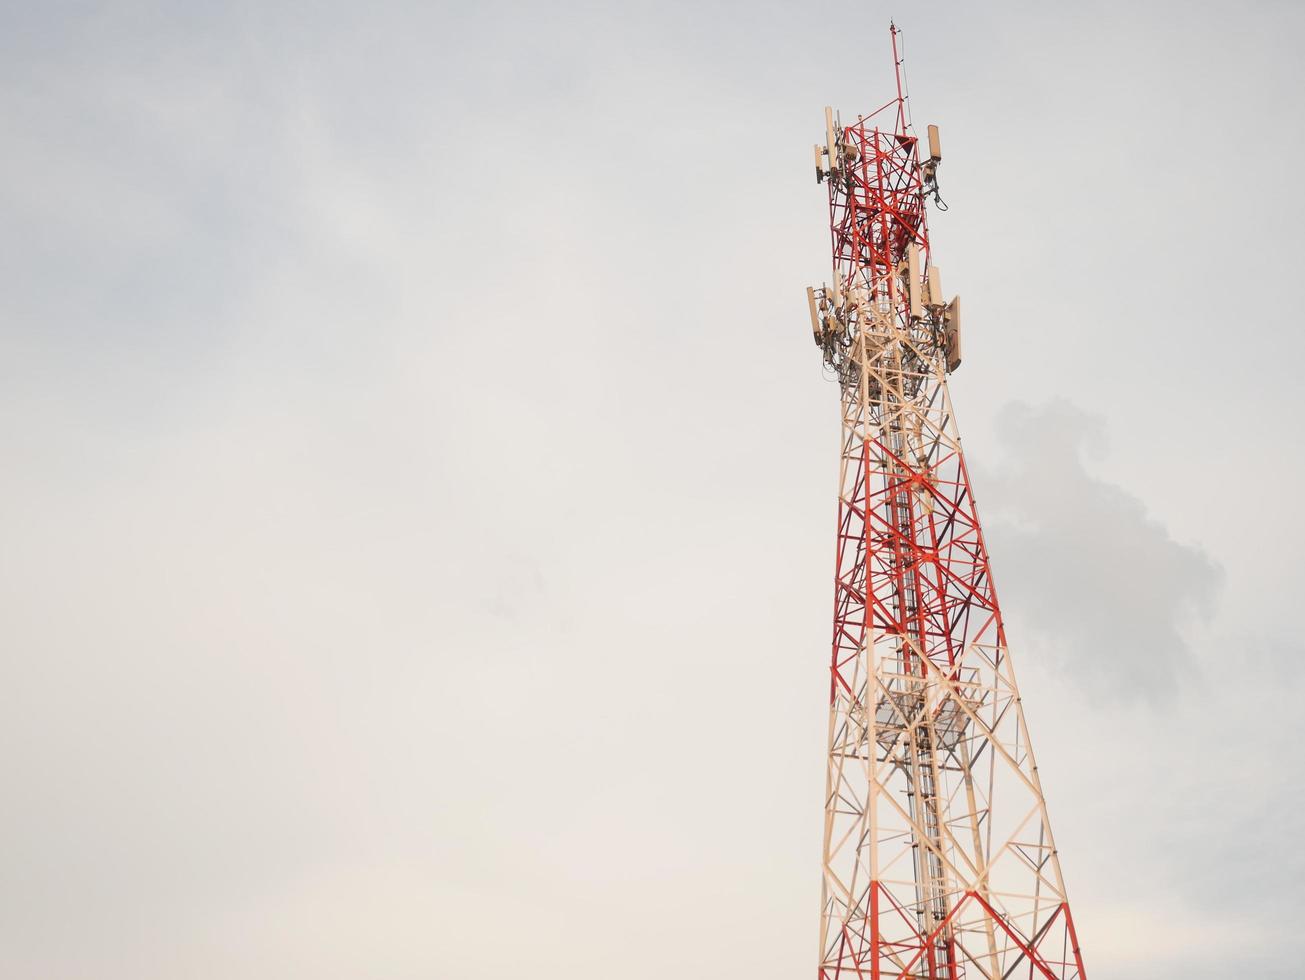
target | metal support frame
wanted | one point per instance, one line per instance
(938, 856)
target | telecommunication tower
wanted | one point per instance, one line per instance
(938, 856)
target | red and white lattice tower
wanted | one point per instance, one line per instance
(938, 856)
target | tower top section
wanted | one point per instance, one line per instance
(879, 179)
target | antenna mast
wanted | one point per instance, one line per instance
(938, 856)
(897, 72)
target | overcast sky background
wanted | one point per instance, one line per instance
(420, 483)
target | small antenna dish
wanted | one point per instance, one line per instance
(831, 146)
(933, 287)
(913, 280)
(815, 315)
(952, 334)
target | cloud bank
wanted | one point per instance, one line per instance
(1102, 586)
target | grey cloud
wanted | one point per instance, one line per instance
(1097, 580)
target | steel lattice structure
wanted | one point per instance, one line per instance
(938, 856)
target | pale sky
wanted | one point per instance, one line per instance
(421, 483)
